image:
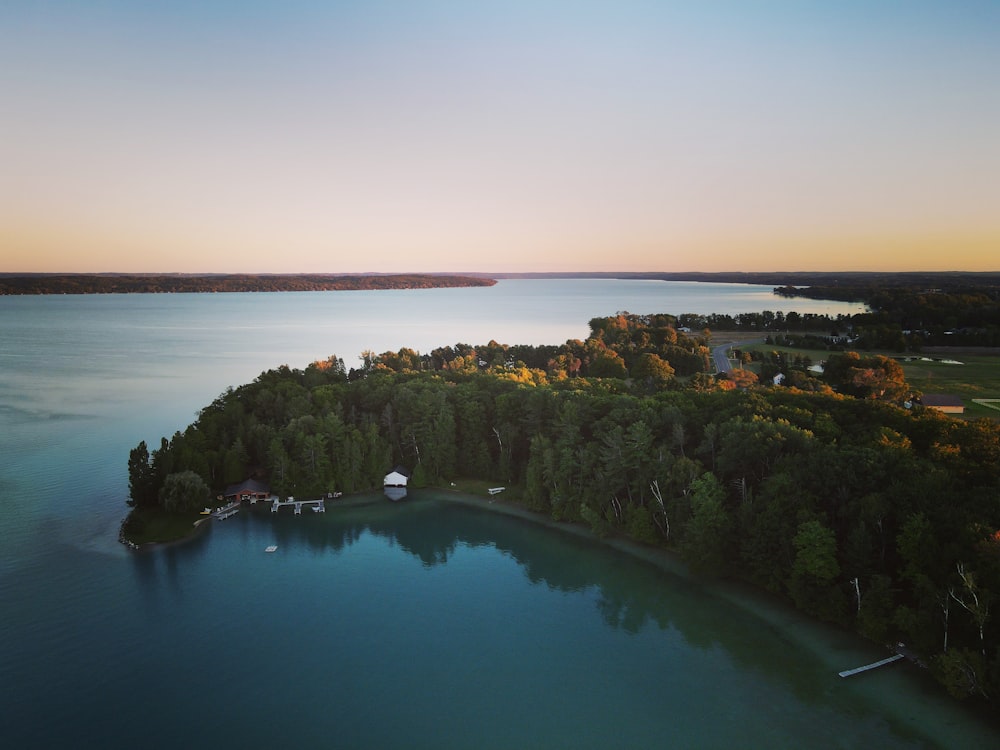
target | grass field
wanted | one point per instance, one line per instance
(976, 377)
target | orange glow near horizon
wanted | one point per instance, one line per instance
(499, 138)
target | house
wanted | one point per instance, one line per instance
(394, 484)
(943, 402)
(250, 489)
(396, 478)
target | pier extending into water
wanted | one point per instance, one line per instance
(873, 665)
(318, 506)
(221, 514)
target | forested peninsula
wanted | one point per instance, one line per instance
(182, 283)
(834, 490)
(907, 310)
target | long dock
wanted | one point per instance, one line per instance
(318, 506)
(221, 514)
(874, 665)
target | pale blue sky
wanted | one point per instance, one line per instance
(450, 136)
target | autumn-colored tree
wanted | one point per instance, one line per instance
(606, 364)
(875, 377)
(742, 378)
(651, 368)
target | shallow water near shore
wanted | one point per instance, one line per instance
(427, 623)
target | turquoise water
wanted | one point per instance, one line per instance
(421, 624)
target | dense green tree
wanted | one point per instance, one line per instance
(652, 370)
(816, 552)
(768, 529)
(235, 463)
(815, 570)
(606, 364)
(707, 533)
(141, 481)
(183, 491)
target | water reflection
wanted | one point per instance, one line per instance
(628, 594)
(166, 564)
(663, 615)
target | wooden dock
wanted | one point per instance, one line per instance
(873, 665)
(221, 514)
(318, 506)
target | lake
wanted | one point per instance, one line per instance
(430, 623)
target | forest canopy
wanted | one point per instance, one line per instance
(835, 492)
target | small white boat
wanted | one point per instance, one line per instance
(272, 548)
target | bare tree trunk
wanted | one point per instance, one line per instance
(678, 434)
(945, 602)
(978, 607)
(654, 487)
(616, 506)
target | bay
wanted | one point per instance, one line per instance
(375, 625)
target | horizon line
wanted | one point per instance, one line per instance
(495, 273)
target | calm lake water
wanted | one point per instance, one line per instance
(422, 624)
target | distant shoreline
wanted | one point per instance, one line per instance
(41, 284)
(826, 284)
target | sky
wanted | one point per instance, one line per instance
(391, 136)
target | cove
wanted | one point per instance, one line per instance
(434, 623)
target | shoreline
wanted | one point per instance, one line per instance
(833, 647)
(199, 526)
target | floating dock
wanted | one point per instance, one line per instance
(874, 665)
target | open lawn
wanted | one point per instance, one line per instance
(733, 337)
(967, 373)
(978, 376)
(480, 487)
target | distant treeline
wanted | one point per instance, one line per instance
(857, 510)
(907, 311)
(848, 279)
(824, 279)
(957, 312)
(143, 284)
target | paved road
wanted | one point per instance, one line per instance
(719, 353)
